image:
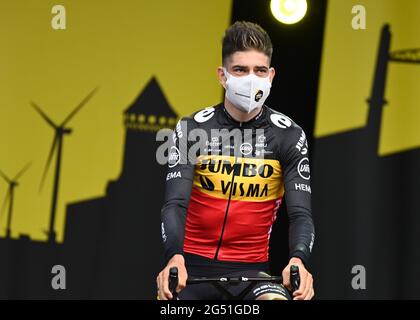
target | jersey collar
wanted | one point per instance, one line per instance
(255, 121)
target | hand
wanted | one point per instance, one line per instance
(162, 279)
(306, 289)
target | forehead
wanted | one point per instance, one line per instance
(249, 58)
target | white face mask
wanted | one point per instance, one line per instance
(247, 93)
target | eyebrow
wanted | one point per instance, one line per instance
(246, 67)
(239, 66)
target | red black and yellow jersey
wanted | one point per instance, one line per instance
(226, 181)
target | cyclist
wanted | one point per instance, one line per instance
(222, 195)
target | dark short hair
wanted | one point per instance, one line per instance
(243, 36)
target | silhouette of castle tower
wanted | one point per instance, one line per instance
(368, 201)
(149, 113)
(119, 234)
(377, 97)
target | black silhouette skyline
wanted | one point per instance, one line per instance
(10, 197)
(123, 227)
(112, 246)
(60, 131)
(370, 203)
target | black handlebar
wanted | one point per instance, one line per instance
(234, 279)
(173, 282)
(173, 279)
(294, 277)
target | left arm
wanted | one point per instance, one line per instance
(296, 174)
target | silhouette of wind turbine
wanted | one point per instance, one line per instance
(10, 196)
(57, 144)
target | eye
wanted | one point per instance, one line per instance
(262, 72)
(239, 70)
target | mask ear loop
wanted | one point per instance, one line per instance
(252, 95)
(227, 74)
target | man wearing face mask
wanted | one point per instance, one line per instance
(219, 210)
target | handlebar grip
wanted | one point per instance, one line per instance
(294, 277)
(173, 282)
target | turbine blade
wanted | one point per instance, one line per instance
(21, 172)
(5, 177)
(43, 115)
(4, 203)
(80, 106)
(47, 165)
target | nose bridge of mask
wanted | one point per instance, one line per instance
(228, 75)
(250, 78)
(254, 81)
(230, 78)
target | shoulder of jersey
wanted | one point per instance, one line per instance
(281, 121)
(204, 115)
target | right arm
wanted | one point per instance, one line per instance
(179, 180)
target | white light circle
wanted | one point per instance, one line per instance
(288, 11)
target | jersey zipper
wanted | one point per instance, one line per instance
(227, 207)
(226, 212)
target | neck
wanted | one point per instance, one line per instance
(239, 115)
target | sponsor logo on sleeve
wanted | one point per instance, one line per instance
(204, 115)
(280, 120)
(302, 187)
(173, 175)
(312, 242)
(302, 144)
(303, 169)
(174, 157)
(164, 237)
(178, 129)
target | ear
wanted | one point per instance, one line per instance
(272, 74)
(221, 76)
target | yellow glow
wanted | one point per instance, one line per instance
(116, 46)
(347, 73)
(288, 11)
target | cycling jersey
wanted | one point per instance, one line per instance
(221, 206)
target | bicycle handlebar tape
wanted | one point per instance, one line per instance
(294, 277)
(173, 282)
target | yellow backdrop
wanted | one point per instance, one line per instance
(348, 63)
(115, 45)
